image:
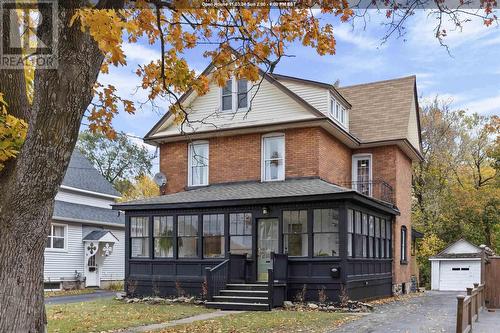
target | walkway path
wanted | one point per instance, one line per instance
(98, 294)
(188, 320)
(432, 312)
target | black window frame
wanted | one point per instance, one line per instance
(287, 234)
(145, 238)
(246, 232)
(180, 237)
(206, 235)
(168, 218)
(404, 245)
(314, 233)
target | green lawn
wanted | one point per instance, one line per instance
(108, 314)
(265, 322)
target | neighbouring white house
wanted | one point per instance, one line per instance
(86, 243)
(457, 267)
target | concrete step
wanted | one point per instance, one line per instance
(241, 299)
(237, 306)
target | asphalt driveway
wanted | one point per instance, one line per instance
(80, 298)
(432, 312)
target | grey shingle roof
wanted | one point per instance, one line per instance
(244, 191)
(81, 174)
(97, 235)
(68, 210)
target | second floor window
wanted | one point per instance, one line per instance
(362, 173)
(234, 95)
(198, 164)
(273, 157)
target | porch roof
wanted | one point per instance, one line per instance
(253, 193)
(67, 211)
(101, 236)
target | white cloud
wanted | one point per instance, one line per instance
(422, 31)
(140, 53)
(359, 38)
(485, 106)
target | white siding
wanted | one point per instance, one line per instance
(113, 266)
(63, 264)
(83, 199)
(413, 127)
(316, 96)
(270, 105)
(462, 246)
(435, 274)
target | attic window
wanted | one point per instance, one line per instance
(338, 113)
(234, 95)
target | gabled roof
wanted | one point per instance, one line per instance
(470, 254)
(82, 175)
(101, 236)
(381, 110)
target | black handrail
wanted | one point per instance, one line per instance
(277, 277)
(216, 278)
(377, 188)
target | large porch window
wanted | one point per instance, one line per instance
(295, 233)
(371, 236)
(350, 232)
(163, 233)
(187, 232)
(377, 237)
(213, 236)
(388, 244)
(240, 233)
(139, 236)
(326, 232)
(358, 236)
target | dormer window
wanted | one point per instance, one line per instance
(338, 112)
(234, 95)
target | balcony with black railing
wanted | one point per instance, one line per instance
(377, 189)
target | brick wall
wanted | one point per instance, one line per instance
(309, 152)
(393, 166)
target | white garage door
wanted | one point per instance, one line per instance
(459, 275)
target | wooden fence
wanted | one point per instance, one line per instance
(468, 308)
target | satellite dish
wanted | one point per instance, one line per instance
(160, 179)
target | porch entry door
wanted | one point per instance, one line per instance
(267, 242)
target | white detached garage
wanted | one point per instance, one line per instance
(457, 267)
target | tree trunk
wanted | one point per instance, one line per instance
(30, 182)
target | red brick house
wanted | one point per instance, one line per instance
(293, 186)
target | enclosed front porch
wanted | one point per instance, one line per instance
(335, 241)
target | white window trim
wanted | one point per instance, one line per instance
(262, 157)
(65, 249)
(190, 175)
(332, 112)
(234, 97)
(354, 168)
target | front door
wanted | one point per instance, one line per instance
(91, 272)
(267, 242)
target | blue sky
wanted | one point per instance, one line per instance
(469, 77)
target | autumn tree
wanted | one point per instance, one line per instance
(456, 192)
(120, 160)
(42, 108)
(142, 187)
